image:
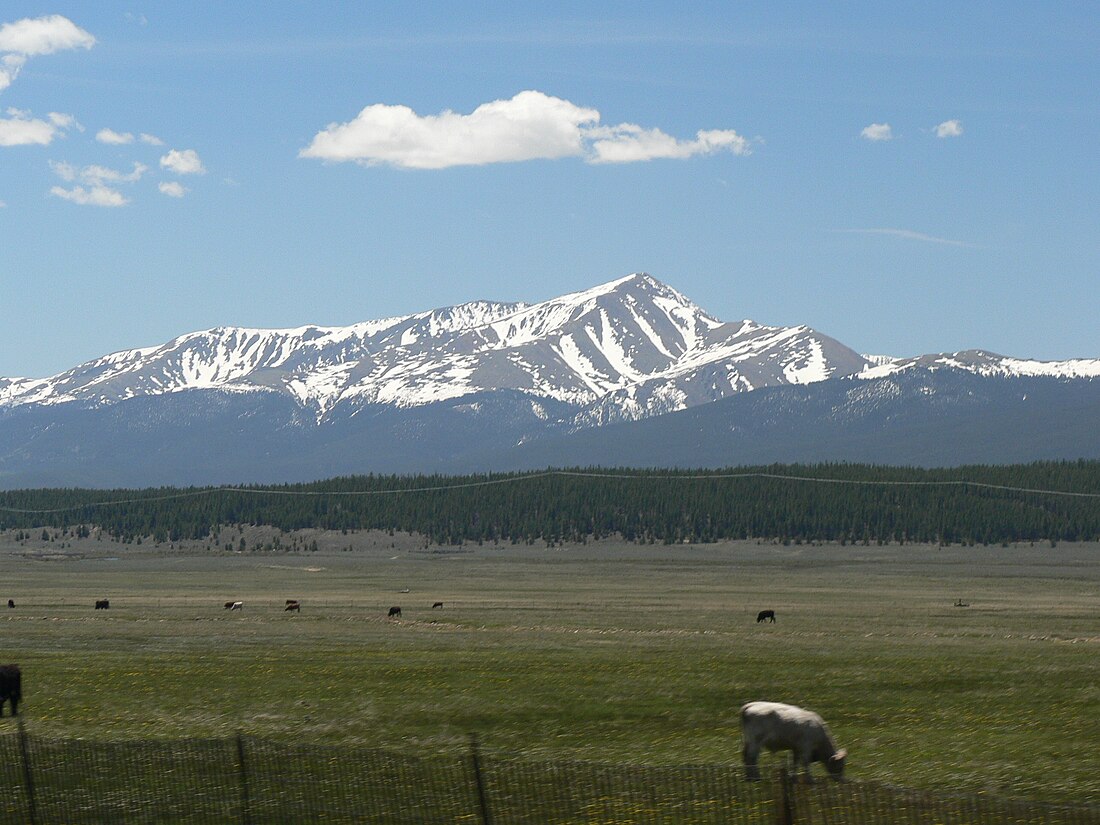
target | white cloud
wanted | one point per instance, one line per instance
(43, 35)
(184, 162)
(30, 37)
(95, 175)
(628, 143)
(949, 128)
(152, 140)
(907, 234)
(96, 184)
(173, 189)
(114, 138)
(64, 121)
(877, 131)
(529, 126)
(96, 195)
(23, 130)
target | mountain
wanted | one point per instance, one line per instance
(634, 338)
(628, 373)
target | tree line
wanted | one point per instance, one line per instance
(848, 503)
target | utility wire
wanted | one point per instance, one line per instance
(555, 473)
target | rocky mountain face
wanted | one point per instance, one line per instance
(487, 385)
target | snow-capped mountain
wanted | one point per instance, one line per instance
(628, 349)
(983, 363)
(627, 373)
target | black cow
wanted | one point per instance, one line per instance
(292, 605)
(437, 604)
(394, 611)
(11, 687)
(103, 604)
(11, 603)
(765, 616)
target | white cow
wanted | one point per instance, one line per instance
(780, 727)
(236, 605)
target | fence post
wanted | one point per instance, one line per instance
(479, 778)
(246, 806)
(28, 777)
(784, 809)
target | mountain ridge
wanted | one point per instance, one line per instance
(630, 372)
(577, 348)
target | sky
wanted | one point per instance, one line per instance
(906, 180)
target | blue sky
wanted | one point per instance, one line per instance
(905, 180)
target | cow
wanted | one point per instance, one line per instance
(961, 603)
(229, 605)
(11, 688)
(292, 605)
(437, 604)
(394, 611)
(234, 605)
(11, 604)
(765, 615)
(777, 727)
(103, 604)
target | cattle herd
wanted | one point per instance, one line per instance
(770, 726)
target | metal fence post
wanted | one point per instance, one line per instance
(479, 778)
(28, 777)
(246, 812)
(784, 809)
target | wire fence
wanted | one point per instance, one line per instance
(257, 781)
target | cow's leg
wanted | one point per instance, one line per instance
(802, 761)
(750, 755)
(14, 706)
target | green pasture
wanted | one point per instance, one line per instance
(638, 654)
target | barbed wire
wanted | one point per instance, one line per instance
(548, 474)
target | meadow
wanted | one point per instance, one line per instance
(608, 651)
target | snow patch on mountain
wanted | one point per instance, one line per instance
(980, 362)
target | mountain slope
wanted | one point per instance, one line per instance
(635, 341)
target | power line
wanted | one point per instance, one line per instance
(553, 473)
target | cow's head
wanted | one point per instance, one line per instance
(835, 764)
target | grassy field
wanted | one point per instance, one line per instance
(606, 652)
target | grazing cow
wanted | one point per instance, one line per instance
(437, 604)
(394, 611)
(234, 605)
(292, 605)
(961, 603)
(11, 687)
(229, 605)
(780, 727)
(103, 604)
(765, 616)
(11, 603)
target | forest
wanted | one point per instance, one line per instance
(841, 503)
